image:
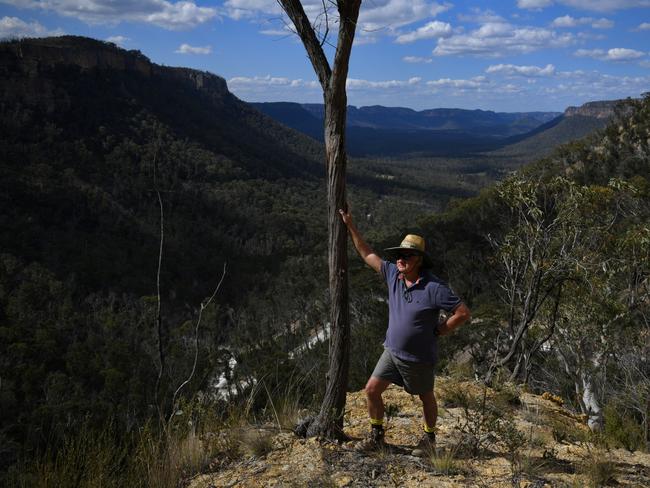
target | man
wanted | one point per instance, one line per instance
(415, 298)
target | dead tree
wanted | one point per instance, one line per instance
(329, 421)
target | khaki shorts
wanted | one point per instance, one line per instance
(416, 378)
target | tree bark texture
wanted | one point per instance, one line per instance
(329, 422)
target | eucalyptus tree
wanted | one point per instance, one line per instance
(332, 78)
(536, 256)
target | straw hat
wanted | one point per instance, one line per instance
(414, 244)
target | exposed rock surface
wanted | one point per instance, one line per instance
(599, 110)
(34, 58)
(544, 462)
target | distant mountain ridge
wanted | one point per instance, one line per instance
(487, 121)
(390, 131)
(423, 130)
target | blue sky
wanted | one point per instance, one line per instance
(513, 56)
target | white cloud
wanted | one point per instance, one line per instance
(474, 83)
(499, 39)
(416, 59)
(600, 86)
(355, 84)
(187, 49)
(435, 29)
(565, 21)
(479, 16)
(393, 14)
(615, 54)
(591, 5)
(119, 40)
(376, 18)
(602, 23)
(604, 5)
(568, 21)
(644, 26)
(246, 9)
(13, 27)
(645, 64)
(534, 4)
(269, 81)
(163, 13)
(527, 71)
(277, 32)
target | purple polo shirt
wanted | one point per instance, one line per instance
(413, 314)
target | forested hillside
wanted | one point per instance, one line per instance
(556, 262)
(125, 187)
(574, 123)
(106, 159)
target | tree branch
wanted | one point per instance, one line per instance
(196, 342)
(296, 13)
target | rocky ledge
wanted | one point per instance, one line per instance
(486, 438)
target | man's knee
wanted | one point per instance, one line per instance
(428, 398)
(375, 387)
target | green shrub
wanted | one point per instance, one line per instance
(597, 469)
(622, 430)
(446, 463)
(565, 430)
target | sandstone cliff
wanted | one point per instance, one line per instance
(598, 110)
(37, 59)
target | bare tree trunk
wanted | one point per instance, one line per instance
(592, 407)
(329, 421)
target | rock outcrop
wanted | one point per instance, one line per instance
(598, 110)
(553, 450)
(36, 57)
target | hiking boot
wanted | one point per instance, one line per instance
(426, 446)
(373, 442)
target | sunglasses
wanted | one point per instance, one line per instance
(405, 256)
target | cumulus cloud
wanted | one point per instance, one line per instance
(602, 23)
(527, 71)
(534, 4)
(568, 21)
(615, 54)
(591, 5)
(269, 81)
(435, 29)
(13, 28)
(246, 9)
(119, 40)
(499, 38)
(377, 18)
(187, 49)
(163, 13)
(472, 84)
(355, 84)
(479, 16)
(393, 14)
(416, 59)
(600, 86)
(644, 26)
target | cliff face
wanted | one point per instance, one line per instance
(33, 59)
(598, 110)
(36, 54)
